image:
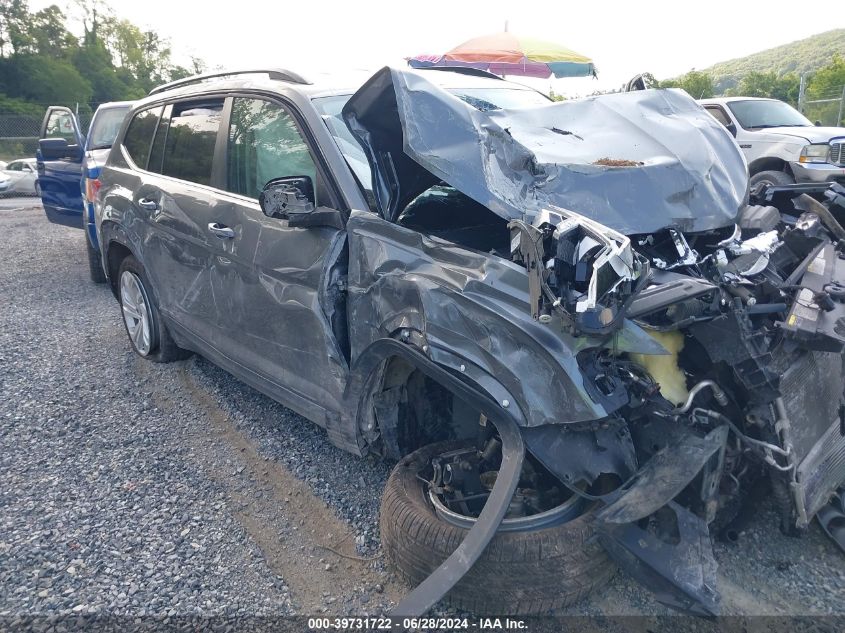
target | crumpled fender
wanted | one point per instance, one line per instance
(451, 301)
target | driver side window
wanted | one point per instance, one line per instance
(717, 113)
(264, 143)
(60, 125)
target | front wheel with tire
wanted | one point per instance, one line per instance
(147, 332)
(523, 571)
(770, 178)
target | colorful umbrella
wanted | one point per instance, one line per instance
(509, 54)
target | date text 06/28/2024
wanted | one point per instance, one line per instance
(386, 623)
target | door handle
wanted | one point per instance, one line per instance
(221, 230)
(148, 205)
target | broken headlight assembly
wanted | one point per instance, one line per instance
(580, 270)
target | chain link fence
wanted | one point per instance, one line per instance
(19, 132)
(827, 108)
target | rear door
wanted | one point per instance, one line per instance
(59, 164)
(176, 199)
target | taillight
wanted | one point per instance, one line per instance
(92, 188)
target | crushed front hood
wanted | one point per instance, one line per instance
(667, 162)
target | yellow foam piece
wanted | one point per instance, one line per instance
(664, 369)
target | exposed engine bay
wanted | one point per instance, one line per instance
(752, 321)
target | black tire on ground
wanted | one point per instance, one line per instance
(775, 178)
(520, 573)
(163, 348)
(95, 267)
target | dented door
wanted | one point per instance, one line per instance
(273, 282)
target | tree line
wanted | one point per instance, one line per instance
(111, 59)
(825, 83)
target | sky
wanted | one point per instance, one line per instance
(622, 37)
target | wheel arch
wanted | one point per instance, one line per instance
(116, 246)
(393, 364)
(769, 163)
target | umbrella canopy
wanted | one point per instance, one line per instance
(509, 54)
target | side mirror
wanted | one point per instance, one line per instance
(287, 197)
(818, 123)
(57, 148)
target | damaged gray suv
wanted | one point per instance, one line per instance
(582, 344)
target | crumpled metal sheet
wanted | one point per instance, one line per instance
(684, 170)
(664, 476)
(474, 306)
(681, 574)
(465, 303)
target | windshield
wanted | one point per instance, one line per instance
(105, 126)
(754, 114)
(484, 99)
(330, 108)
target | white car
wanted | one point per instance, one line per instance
(780, 144)
(23, 177)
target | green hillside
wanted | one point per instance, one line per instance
(802, 56)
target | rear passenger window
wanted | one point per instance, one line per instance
(265, 143)
(191, 136)
(139, 135)
(157, 150)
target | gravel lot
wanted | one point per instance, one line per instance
(133, 488)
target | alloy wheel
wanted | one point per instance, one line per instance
(136, 311)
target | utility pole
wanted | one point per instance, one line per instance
(801, 88)
(841, 107)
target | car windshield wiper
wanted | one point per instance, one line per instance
(768, 125)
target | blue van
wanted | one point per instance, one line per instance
(69, 169)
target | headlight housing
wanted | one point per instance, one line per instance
(815, 153)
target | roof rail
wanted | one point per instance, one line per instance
(274, 73)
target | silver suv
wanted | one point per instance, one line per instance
(562, 319)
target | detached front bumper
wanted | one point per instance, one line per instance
(817, 172)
